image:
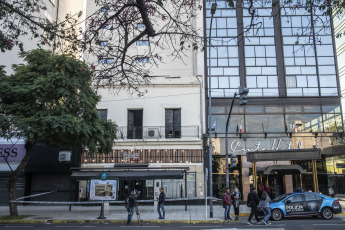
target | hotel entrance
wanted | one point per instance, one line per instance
(281, 178)
(273, 184)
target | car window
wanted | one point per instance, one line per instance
(309, 197)
(279, 198)
(295, 198)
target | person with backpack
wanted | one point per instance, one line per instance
(252, 202)
(265, 205)
(131, 203)
(227, 202)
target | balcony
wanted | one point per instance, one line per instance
(157, 132)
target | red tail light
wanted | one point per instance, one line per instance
(337, 201)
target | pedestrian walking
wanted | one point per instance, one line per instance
(236, 194)
(160, 206)
(265, 205)
(227, 202)
(132, 202)
(252, 202)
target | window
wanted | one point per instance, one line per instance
(105, 9)
(295, 198)
(143, 43)
(135, 124)
(141, 26)
(142, 60)
(172, 123)
(107, 27)
(103, 43)
(102, 113)
(264, 123)
(101, 77)
(175, 188)
(106, 61)
(310, 197)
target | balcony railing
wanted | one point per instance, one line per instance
(156, 132)
(141, 156)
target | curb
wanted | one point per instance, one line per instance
(114, 221)
(51, 221)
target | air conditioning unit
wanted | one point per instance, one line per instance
(152, 133)
(65, 156)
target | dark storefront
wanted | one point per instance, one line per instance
(48, 171)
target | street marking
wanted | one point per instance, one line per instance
(74, 226)
(199, 226)
(329, 224)
(19, 226)
(138, 226)
(242, 228)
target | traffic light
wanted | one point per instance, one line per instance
(233, 161)
(243, 91)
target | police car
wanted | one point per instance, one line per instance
(304, 204)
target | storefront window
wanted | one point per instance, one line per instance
(149, 189)
(175, 188)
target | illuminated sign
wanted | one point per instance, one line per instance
(103, 190)
(12, 152)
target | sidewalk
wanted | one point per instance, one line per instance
(118, 214)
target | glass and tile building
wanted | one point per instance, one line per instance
(284, 53)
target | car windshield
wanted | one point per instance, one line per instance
(279, 198)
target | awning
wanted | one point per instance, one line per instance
(282, 170)
(128, 175)
(284, 155)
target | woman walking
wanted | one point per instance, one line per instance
(265, 204)
(236, 202)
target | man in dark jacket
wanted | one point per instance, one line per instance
(160, 205)
(227, 202)
(253, 201)
(132, 201)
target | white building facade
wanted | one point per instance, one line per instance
(158, 131)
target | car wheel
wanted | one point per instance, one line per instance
(276, 214)
(327, 213)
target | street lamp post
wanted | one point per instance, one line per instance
(213, 11)
(243, 96)
(226, 144)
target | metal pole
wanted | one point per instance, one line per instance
(185, 189)
(70, 196)
(206, 175)
(210, 120)
(255, 182)
(101, 215)
(226, 144)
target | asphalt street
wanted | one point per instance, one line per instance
(337, 223)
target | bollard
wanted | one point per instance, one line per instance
(101, 215)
